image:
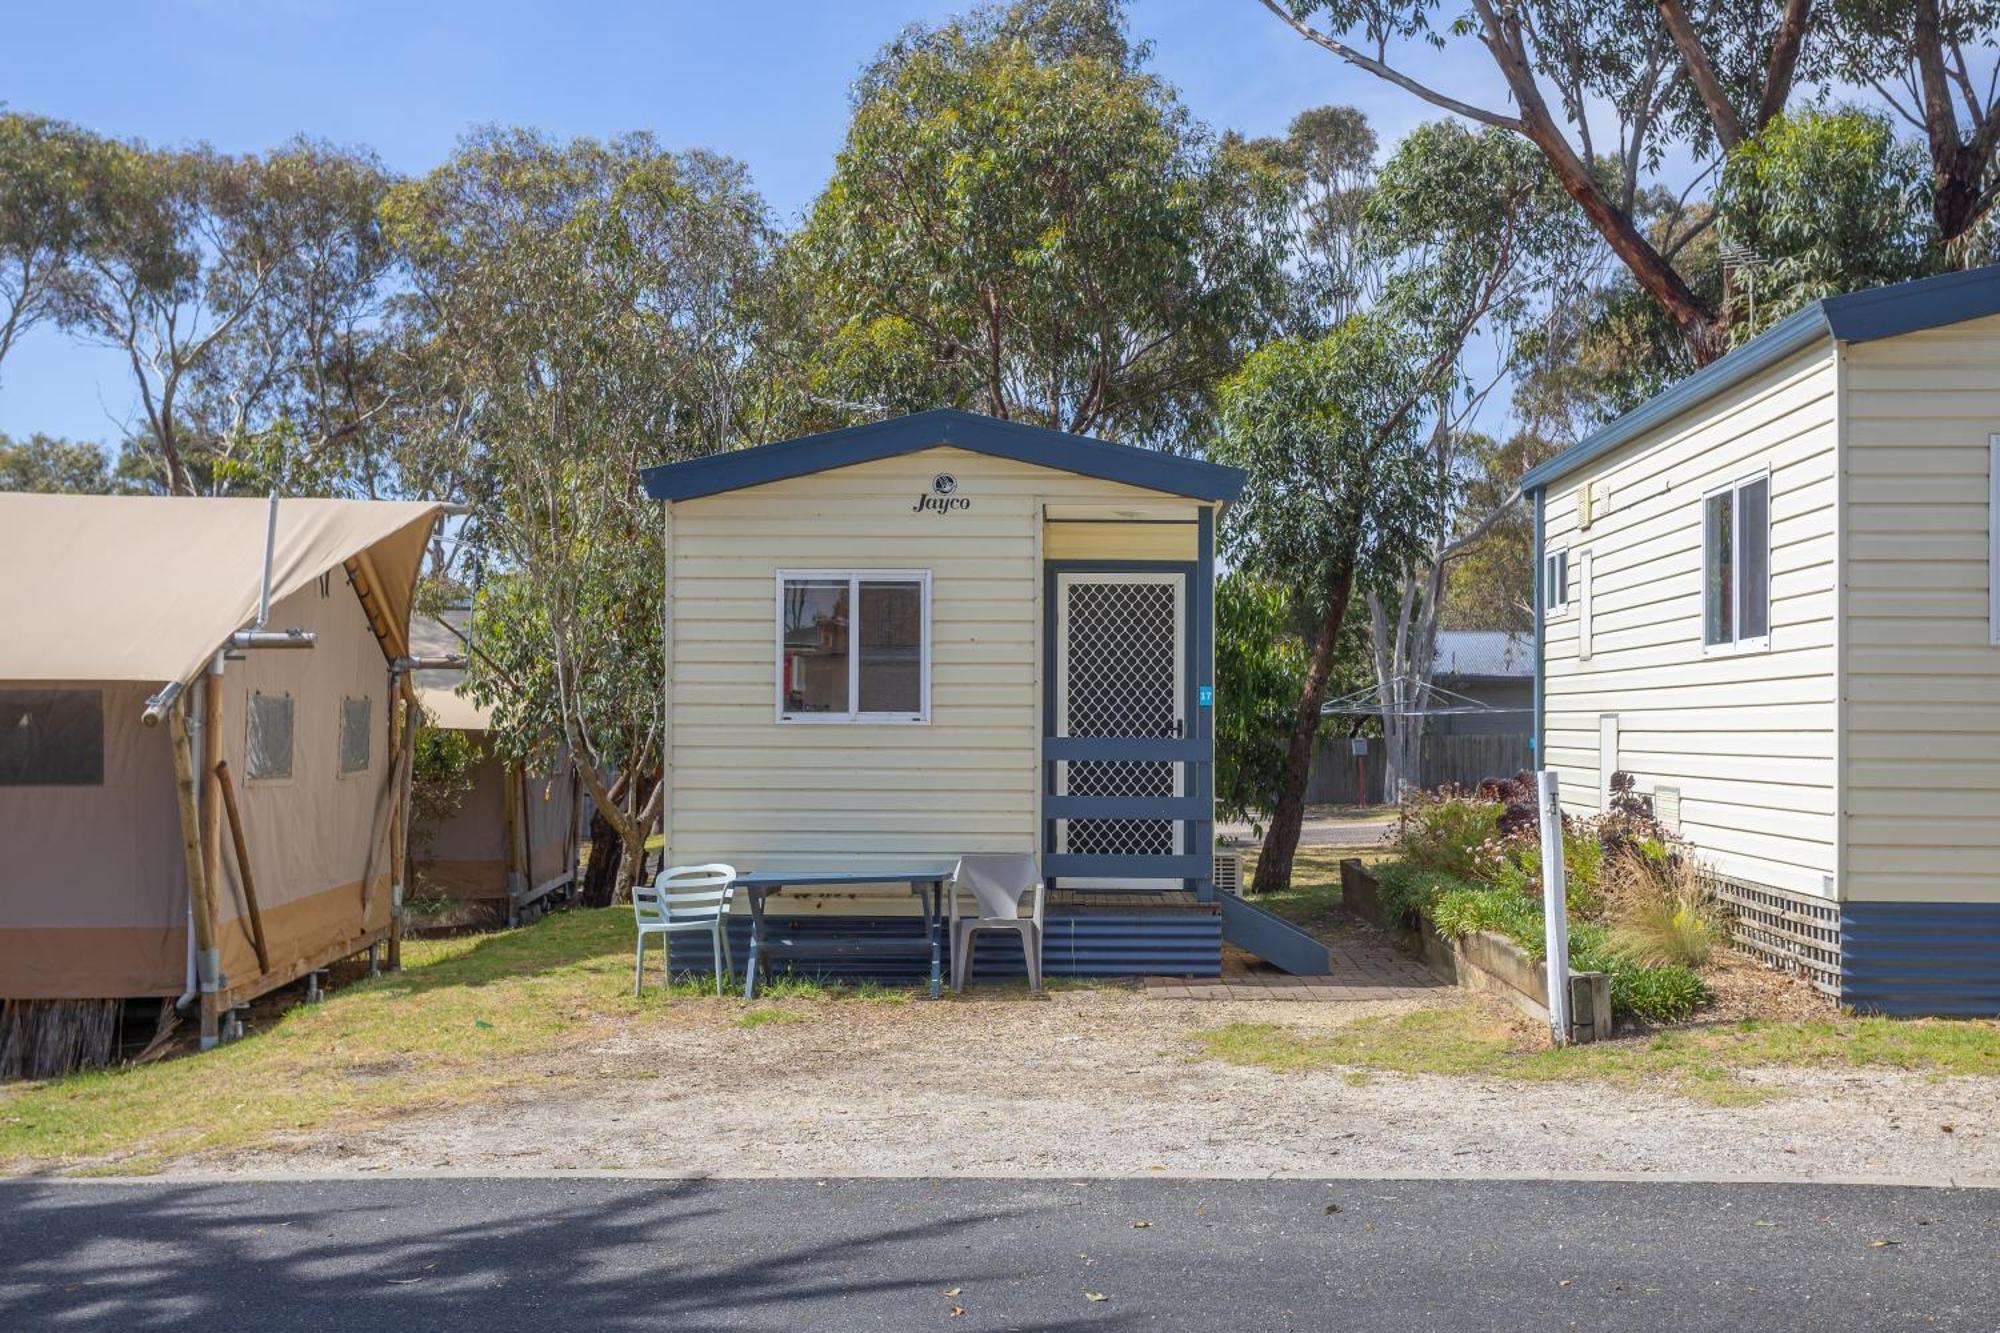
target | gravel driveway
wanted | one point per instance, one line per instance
(1108, 1081)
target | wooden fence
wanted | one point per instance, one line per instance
(1338, 773)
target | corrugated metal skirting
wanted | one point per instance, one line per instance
(1135, 945)
(1921, 958)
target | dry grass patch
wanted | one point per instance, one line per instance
(468, 1018)
(1468, 1039)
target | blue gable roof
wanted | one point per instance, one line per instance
(1148, 469)
(1880, 312)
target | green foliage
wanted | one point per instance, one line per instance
(1661, 910)
(1448, 834)
(1260, 662)
(1329, 431)
(442, 771)
(1024, 221)
(1832, 202)
(51, 466)
(1408, 891)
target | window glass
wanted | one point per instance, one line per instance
(355, 715)
(270, 740)
(51, 738)
(1718, 578)
(814, 625)
(1555, 594)
(1753, 544)
(892, 646)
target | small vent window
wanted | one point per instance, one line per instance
(269, 756)
(355, 715)
(51, 738)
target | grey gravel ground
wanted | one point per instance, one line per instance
(539, 1253)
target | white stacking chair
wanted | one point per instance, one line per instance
(999, 881)
(685, 898)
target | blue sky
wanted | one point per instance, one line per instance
(766, 83)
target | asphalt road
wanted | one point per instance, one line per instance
(403, 1256)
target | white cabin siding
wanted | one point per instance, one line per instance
(764, 795)
(1749, 738)
(1921, 675)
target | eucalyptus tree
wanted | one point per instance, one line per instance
(1330, 431)
(1611, 91)
(1025, 221)
(585, 309)
(239, 290)
(46, 169)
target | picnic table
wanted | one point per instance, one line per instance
(928, 885)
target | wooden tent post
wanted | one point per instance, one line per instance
(208, 962)
(228, 790)
(403, 739)
(210, 804)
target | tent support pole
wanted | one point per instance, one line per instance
(208, 960)
(256, 912)
(403, 734)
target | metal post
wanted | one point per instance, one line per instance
(1555, 914)
(270, 546)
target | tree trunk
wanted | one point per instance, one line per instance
(1281, 840)
(599, 874)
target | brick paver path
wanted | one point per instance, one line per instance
(1362, 970)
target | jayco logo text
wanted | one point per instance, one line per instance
(942, 497)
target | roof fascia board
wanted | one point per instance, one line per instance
(1910, 307)
(1134, 466)
(1790, 335)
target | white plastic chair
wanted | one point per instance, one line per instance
(999, 881)
(685, 898)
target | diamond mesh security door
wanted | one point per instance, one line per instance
(1120, 674)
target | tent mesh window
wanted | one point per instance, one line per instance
(355, 718)
(51, 738)
(1122, 641)
(269, 756)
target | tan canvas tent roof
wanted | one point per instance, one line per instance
(144, 588)
(438, 688)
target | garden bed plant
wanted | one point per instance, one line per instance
(1638, 909)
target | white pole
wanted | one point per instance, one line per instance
(1555, 915)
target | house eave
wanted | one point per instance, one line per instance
(1146, 469)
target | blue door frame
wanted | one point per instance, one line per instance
(1195, 752)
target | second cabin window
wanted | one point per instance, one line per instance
(853, 646)
(1736, 566)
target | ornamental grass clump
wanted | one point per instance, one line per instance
(1662, 913)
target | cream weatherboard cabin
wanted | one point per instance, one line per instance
(1769, 595)
(945, 633)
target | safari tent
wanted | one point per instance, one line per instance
(945, 633)
(511, 842)
(199, 799)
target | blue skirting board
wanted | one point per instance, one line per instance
(1921, 958)
(1137, 945)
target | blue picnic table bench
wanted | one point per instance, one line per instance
(928, 885)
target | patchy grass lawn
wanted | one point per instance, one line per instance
(467, 1018)
(1706, 1063)
(1313, 901)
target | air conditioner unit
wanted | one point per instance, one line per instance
(1228, 870)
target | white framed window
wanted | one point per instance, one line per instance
(1555, 582)
(1736, 566)
(1993, 538)
(854, 645)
